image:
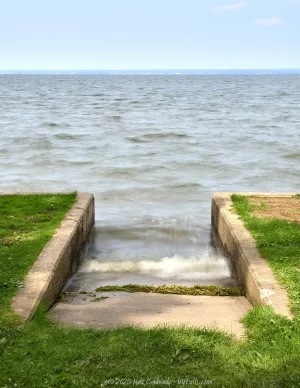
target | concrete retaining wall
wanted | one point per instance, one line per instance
(251, 270)
(59, 259)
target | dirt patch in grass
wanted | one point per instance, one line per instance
(282, 208)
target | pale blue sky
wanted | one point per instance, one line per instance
(149, 34)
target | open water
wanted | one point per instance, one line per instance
(152, 149)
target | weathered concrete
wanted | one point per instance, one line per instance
(251, 270)
(58, 260)
(150, 310)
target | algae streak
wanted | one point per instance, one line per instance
(176, 290)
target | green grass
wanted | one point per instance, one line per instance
(44, 354)
(26, 224)
(279, 242)
(176, 290)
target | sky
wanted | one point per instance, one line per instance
(149, 34)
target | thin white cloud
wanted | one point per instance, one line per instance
(274, 21)
(229, 7)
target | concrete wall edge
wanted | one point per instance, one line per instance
(58, 260)
(251, 270)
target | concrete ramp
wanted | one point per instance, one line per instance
(150, 310)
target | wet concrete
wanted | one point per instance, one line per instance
(144, 310)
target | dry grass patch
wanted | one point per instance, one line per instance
(281, 208)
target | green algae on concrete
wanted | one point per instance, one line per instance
(175, 290)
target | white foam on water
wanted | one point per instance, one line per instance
(166, 267)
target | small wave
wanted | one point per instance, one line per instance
(20, 140)
(283, 94)
(120, 99)
(94, 95)
(158, 231)
(283, 117)
(66, 162)
(64, 136)
(259, 126)
(274, 126)
(292, 156)
(164, 135)
(50, 124)
(131, 171)
(185, 186)
(152, 136)
(137, 139)
(113, 117)
(185, 268)
(42, 144)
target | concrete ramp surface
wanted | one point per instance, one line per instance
(150, 310)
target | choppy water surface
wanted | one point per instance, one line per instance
(152, 149)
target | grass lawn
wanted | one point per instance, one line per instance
(43, 354)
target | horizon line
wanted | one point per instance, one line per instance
(155, 69)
